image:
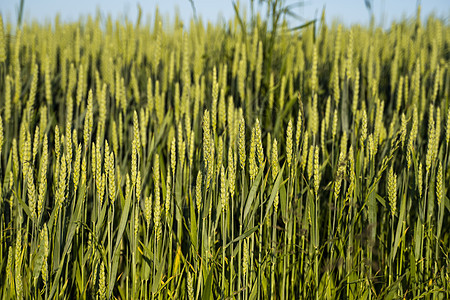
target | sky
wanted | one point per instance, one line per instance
(347, 11)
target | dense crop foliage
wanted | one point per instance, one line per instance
(191, 161)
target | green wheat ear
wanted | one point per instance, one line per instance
(45, 244)
(102, 282)
(289, 149)
(275, 170)
(439, 184)
(8, 99)
(2, 135)
(2, 42)
(392, 190)
(448, 128)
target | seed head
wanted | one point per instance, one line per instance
(1, 133)
(298, 130)
(437, 132)
(242, 154)
(231, 171)
(431, 136)
(31, 191)
(327, 112)
(392, 190)
(305, 150)
(246, 258)
(253, 168)
(157, 211)
(181, 146)
(7, 98)
(190, 286)
(168, 196)
(148, 209)
(314, 80)
(223, 189)
(448, 127)
(102, 282)
(289, 149)
(198, 191)
(340, 175)
(191, 148)
(44, 242)
(316, 171)
(439, 184)
(2, 42)
(135, 148)
(335, 124)
(173, 157)
(363, 128)
(355, 91)
(259, 147)
(404, 123)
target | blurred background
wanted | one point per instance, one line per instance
(345, 11)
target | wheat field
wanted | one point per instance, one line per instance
(166, 160)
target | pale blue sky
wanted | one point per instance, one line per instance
(347, 11)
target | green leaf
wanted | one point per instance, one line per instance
(283, 203)
(381, 200)
(193, 231)
(372, 207)
(282, 116)
(101, 218)
(275, 189)
(446, 202)
(254, 293)
(440, 220)
(399, 227)
(241, 23)
(418, 238)
(253, 191)
(121, 229)
(157, 278)
(207, 294)
(243, 236)
(73, 224)
(178, 194)
(303, 25)
(24, 206)
(38, 261)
